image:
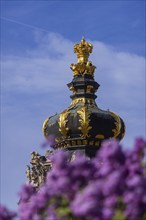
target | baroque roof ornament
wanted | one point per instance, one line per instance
(83, 125)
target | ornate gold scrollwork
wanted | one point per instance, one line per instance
(44, 128)
(84, 120)
(78, 68)
(63, 123)
(36, 174)
(117, 123)
(83, 68)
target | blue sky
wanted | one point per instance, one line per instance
(36, 51)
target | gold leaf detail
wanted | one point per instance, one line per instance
(62, 123)
(82, 68)
(36, 173)
(124, 131)
(44, 128)
(99, 136)
(84, 121)
(117, 123)
(73, 89)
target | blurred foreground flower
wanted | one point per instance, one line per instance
(6, 214)
(111, 186)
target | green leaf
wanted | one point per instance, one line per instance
(63, 211)
(144, 217)
(119, 215)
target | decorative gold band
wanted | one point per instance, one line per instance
(84, 100)
(67, 143)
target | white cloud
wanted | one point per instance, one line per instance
(46, 69)
(123, 73)
(47, 66)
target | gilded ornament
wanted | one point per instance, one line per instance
(36, 174)
(73, 89)
(89, 89)
(84, 120)
(78, 68)
(117, 123)
(82, 108)
(63, 123)
(83, 50)
(90, 68)
(99, 136)
(44, 128)
(83, 68)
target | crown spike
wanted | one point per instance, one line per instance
(83, 38)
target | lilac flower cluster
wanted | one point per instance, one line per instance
(111, 186)
(6, 214)
(134, 196)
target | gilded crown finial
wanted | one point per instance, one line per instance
(83, 50)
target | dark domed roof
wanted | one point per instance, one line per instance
(83, 124)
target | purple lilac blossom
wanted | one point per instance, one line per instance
(6, 214)
(85, 189)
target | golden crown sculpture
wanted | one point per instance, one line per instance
(83, 66)
(83, 50)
